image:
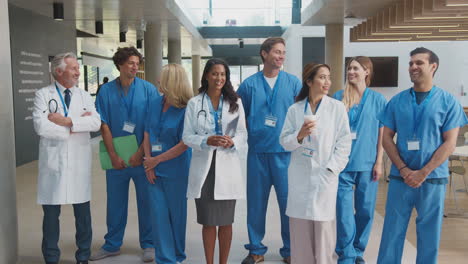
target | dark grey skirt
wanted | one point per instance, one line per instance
(211, 212)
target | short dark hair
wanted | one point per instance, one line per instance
(268, 44)
(122, 55)
(433, 58)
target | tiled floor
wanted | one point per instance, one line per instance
(30, 220)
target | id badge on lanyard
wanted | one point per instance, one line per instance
(353, 134)
(156, 146)
(129, 127)
(413, 144)
(308, 151)
(271, 121)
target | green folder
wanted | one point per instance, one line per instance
(125, 147)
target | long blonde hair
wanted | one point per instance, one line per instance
(175, 86)
(350, 94)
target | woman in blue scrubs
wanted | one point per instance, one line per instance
(167, 161)
(357, 188)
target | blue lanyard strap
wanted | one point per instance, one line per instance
(161, 120)
(125, 102)
(271, 95)
(419, 109)
(355, 111)
(307, 104)
(65, 109)
(217, 115)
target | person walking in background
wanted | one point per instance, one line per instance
(214, 128)
(167, 161)
(357, 188)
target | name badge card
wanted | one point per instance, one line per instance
(157, 147)
(270, 121)
(353, 135)
(129, 127)
(308, 152)
(413, 144)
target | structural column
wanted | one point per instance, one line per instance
(8, 217)
(196, 64)
(153, 53)
(174, 45)
(334, 55)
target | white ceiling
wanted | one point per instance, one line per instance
(115, 12)
(322, 12)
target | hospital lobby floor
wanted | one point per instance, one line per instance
(454, 243)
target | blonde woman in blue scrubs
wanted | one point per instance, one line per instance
(357, 188)
(167, 161)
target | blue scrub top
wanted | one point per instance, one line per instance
(364, 147)
(166, 128)
(253, 92)
(116, 109)
(442, 113)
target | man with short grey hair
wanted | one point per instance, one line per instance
(63, 117)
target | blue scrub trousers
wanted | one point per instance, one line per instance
(354, 214)
(117, 207)
(51, 232)
(401, 199)
(168, 202)
(263, 171)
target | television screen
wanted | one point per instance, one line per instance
(385, 71)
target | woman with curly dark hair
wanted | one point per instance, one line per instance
(215, 129)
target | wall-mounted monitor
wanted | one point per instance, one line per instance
(385, 71)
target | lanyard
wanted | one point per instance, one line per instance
(271, 95)
(307, 104)
(419, 109)
(161, 119)
(128, 108)
(217, 115)
(355, 111)
(65, 109)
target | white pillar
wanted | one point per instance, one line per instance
(196, 65)
(8, 217)
(174, 44)
(153, 52)
(196, 73)
(334, 55)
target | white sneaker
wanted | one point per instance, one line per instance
(148, 255)
(102, 253)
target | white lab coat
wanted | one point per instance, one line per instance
(312, 188)
(229, 178)
(64, 153)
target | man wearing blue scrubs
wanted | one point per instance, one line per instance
(123, 105)
(426, 120)
(266, 97)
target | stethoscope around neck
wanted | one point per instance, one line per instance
(53, 104)
(203, 112)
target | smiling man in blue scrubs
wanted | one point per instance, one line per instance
(426, 120)
(123, 105)
(266, 97)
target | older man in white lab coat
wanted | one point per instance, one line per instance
(63, 117)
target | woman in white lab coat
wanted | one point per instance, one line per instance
(317, 132)
(214, 128)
